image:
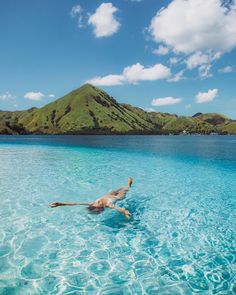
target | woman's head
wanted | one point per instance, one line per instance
(95, 209)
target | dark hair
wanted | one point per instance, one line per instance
(95, 209)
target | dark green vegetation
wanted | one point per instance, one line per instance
(89, 110)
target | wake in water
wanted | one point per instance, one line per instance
(107, 201)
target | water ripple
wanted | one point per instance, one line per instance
(179, 240)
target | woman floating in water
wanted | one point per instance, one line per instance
(107, 201)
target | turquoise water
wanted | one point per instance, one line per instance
(180, 239)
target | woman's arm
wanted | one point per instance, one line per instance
(57, 204)
(121, 210)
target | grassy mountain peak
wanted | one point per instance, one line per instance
(90, 110)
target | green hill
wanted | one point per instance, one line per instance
(214, 119)
(90, 110)
(188, 125)
(85, 110)
(229, 128)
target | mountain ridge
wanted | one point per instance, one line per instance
(90, 110)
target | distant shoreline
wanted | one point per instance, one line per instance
(115, 134)
(91, 111)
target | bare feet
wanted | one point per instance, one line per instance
(130, 181)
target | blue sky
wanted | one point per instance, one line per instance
(171, 56)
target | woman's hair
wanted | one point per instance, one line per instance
(95, 209)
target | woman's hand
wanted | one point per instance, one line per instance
(126, 213)
(55, 204)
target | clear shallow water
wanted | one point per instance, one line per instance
(180, 239)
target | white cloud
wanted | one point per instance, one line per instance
(34, 95)
(109, 80)
(76, 12)
(210, 95)
(138, 72)
(196, 25)
(226, 69)
(149, 110)
(188, 106)
(204, 71)
(177, 77)
(51, 95)
(161, 50)
(174, 60)
(6, 96)
(133, 74)
(166, 101)
(103, 20)
(197, 59)
(203, 61)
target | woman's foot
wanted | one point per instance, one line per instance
(130, 181)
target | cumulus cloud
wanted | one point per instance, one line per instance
(161, 50)
(210, 95)
(203, 61)
(51, 95)
(133, 74)
(177, 77)
(103, 20)
(6, 96)
(204, 71)
(196, 25)
(138, 72)
(226, 69)
(196, 59)
(76, 12)
(199, 58)
(174, 60)
(149, 110)
(34, 95)
(166, 101)
(109, 80)
(197, 31)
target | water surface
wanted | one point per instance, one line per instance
(180, 239)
